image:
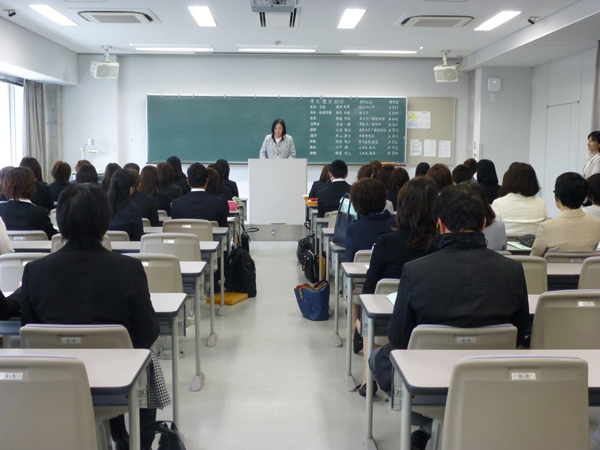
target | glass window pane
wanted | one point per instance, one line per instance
(5, 125)
(18, 125)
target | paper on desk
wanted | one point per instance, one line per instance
(519, 245)
(367, 266)
(392, 297)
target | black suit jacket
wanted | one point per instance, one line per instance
(56, 189)
(224, 190)
(129, 220)
(90, 286)
(200, 205)
(328, 199)
(173, 191)
(147, 207)
(26, 216)
(233, 186)
(183, 184)
(43, 196)
(161, 201)
(392, 196)
(316, 187)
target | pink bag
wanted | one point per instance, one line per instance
(233, 206)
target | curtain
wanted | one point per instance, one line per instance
(596, 107)
(34, 122)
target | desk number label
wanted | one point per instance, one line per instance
(586, 303)
(145, 263)
(11, 375)
(466, 340)
(186, 226)
(168, 241)
(70, 340)
(523, 376)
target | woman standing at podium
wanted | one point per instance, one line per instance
(278, 144)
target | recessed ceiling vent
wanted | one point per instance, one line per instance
(280, 20)
(116, 17)
(436, 21)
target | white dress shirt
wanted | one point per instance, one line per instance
(591, 166)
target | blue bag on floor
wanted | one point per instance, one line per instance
(313, 301)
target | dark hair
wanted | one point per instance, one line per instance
(137, 185)
(365, 171)
(132, 166)
(368, 196)
(175, 164)
(520, 178)
(33, 164)
(385, 173)
(61, 172)
(460, 209)
(82, 214)
(120, 190)
(398, 178)
(486, 172)
(109, 170)
(461, 173)
(197, 175)
(593, 182)
(377, 164)
(166, 176)
(3, 173)
(325, 174)
(490, 215)
(338, 169)
(81, 162)
(440, 175)
(216, 167)
(471, 163)
(86, 174)
(571, 189)
(594, 136)
(149, 177)
(421, 169)
(224, 165)
(275, 122)
(18, 183)
(214, 179)
(414, 212)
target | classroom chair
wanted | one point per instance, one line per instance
(27, 235)
(53, 218)
(362, 256)
(57, 243)
(387, 286)
(488, 408)
(146, 222)
(117, 235)
(567, 320)
(183, 245)
(163, 271)
(504, 252)
(536, 273)
(201, 228)
(11, 269)
(569, 257)
(50, 407)
(331, 218)
(162, 215)
(590, 274)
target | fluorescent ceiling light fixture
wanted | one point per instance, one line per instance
(380, 52)
(351, 18)
(277, 49)
(175, 49)
(203, 16)
(497, 20)
(53, 15)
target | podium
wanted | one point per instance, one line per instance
(276, 190)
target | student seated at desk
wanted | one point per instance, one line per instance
(83, 283)
(10, 306)
(150, 187)
(462, 284)
(488, 178)
(321, 183)
(86, 174)
(198, 204)
(461, 173)
(572, 230)
(494, 231)
(328, 199)
(144, 201)
(213, 183)
(166, 181)
(125, 215)
(109, 171)
(593, 195)
(43, 195)
(422, 169)
(398, 178)
(179, 178)
(19, 213)
(226, 181)
(440, 175)
(221, 189)
(61, 172)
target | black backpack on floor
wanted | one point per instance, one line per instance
(170, 438)
(240, 272)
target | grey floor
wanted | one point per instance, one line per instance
(274, 379)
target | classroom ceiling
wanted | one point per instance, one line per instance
(561, 27)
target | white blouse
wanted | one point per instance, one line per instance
(520, 214)
(4, 240)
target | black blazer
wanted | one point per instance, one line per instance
(224, 190)
(328, 199)
(129, 220)
(43, 196)
(233, 186)
(363, 233)
(26, 216)
(10, 306)
(147, 207)
(183, 184)
(491, 191)
(56, 189)
(173, 191)
(316, 187)
(161, 201)
(388, 258)
(392, 196)
(90, 286)
(201, 205)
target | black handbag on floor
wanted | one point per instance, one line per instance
(304, 245)
(310, 267)
(170, 438)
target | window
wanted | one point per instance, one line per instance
(11, 124)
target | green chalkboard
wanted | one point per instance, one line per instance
(205, 129)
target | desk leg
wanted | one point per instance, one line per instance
(327, 258)
(198, 380)
(369, 442)
(134, 418)
(337, 342)
(175, 362)
(320, 252)
(221, 311)
(212, 338)
(349, 380)
(405, 418)
(6, 342)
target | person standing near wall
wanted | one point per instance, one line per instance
(592, 164)
(278, 144)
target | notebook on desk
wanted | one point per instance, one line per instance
(392, 297)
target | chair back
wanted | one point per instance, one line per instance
(146, 222)
(362, 256)
(201, 228)
(536, 273)
(492, 400)
(51, 403)
(387, 286)
(564, 257)
(163, 271)
(214, 223)
(53, 218)
(504, 252)
(117, 235)
(441, 337)
(331, 218)
(567, 320)
(74, 336)
(57, 243)
(183, 245)
(590, 274)
(27, 235)
(162, 215)
(11, 268)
